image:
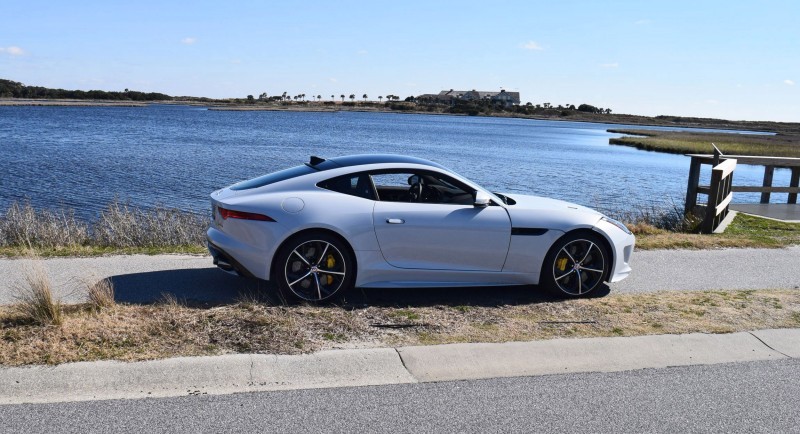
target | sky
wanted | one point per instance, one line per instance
(730, 59)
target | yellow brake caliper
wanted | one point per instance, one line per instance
(329, 263)
(561, 264)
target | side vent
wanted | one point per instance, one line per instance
(315, 160)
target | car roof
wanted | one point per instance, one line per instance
(363, 159)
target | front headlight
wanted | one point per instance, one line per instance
(618, 224)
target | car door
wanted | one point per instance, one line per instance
(436, 235)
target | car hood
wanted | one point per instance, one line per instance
(546, 213)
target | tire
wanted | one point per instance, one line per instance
(576, 265)
(314, 267)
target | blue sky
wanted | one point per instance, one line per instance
(733, 60)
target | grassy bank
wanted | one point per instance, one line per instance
(127, 230)
(169, 329)
(781, 145)
(119, 229)
(744, 231)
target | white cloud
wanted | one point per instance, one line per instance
(789, 82)
(188, 40)
(12, 51)
(532, 46)
(610, 65)
(333, 80)
(712, 101)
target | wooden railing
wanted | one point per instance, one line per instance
(721, 187)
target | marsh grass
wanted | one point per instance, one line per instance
(681, 142)
(171, 329)
(120, 228)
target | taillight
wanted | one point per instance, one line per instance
(231, 214)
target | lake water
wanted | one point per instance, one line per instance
(83, 157)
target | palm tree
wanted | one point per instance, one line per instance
(352, 97)
(319, 98)
(365, 97)
(332, 97)
(342, 95)
(380, 98)
(283, 97)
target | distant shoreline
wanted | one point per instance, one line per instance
(617, 119)
(68, 103)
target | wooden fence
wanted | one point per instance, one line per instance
(721, 187)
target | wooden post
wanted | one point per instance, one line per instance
(768, 172)
(691, 187)
(707, 226)
(794, 182)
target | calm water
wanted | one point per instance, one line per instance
(82, 157)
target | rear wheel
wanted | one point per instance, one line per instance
(314, 267)
(576, 265)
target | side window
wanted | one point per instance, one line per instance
(355, 185)
(421, 187)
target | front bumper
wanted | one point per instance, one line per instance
(623, 244)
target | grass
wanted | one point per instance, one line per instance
(120, 229)
(101, 294)
(170, 329)
(745, 231)
(125, 230)
(35, 303)
(678, 142)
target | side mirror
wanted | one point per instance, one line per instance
(482, 199)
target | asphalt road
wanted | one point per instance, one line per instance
(141, 279)
(738, 397)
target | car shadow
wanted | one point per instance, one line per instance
(209, 287)
(201, 287)
(462, 296)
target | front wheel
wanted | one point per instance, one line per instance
(314, 267)
(576, 265)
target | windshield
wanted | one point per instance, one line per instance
(494, 196)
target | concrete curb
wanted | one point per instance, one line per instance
(348, 368)
(558, 356)
(87, 381)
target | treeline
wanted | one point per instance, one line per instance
(13, 89)
(485, 108)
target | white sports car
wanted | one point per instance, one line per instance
(378, 221)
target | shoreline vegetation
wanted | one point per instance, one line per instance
(17, 94)
(123, 229)
(689, 142)
(551, 114)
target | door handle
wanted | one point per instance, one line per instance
(395, 221)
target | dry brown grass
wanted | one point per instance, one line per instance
(169, 329)
(120, 229)
(34, 301)
(101, 294)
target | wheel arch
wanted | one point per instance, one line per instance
(302, 232)
(606, 245)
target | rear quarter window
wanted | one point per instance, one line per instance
(357, 184)
(272, 178)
